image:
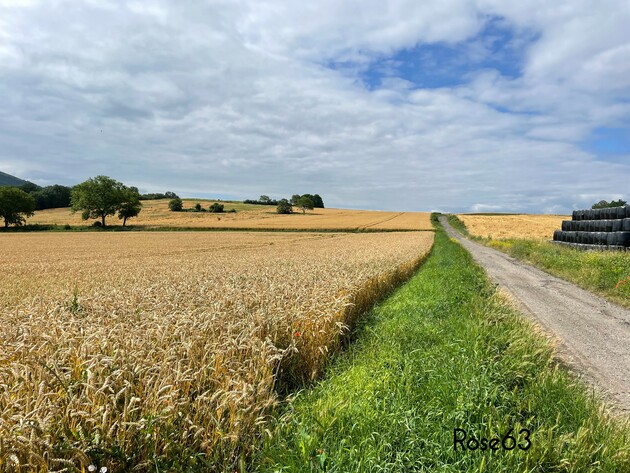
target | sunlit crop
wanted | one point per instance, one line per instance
(166, 350)
(535, 227)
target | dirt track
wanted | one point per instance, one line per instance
(593, 334)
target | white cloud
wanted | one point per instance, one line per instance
(233, 97)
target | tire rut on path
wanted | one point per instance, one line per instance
(593, 334)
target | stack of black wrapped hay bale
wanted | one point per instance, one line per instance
(596, 229)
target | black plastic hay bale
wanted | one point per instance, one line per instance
(608, 226)
(623, 239)
(557, 235)
(620, 212)
(626, 225)
(617, 225)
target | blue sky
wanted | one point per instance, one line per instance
(496, 47)
(454, 105)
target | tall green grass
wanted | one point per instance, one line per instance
(445, 351)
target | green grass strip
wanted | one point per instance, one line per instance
(445, 351)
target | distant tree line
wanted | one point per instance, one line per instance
(97, 198)
(602, 204)
(57, 196)
(158, 196)
(318, 202)
(49, 197)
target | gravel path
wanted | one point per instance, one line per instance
(593, 334)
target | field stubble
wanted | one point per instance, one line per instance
(165, 350)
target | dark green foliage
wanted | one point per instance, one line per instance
(264, 199)
(284, 207)
(15, 205)
(198, 207)
(305, 203)
(261, 202)
(131, 206)
(216, 208)
(176, 204)
(52, 197)
(158, 196)
(99, 197)
(602, 204)
(318, 202)
(29, 187)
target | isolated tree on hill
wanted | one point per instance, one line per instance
(264, 199)
(284, 207)
(15, 206)
(98, 197)
(131, 206)
(176, 204)
(305, 203)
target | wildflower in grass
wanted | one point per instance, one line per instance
(622, 282)
(298, 334)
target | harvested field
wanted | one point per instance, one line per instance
(156, 213)
(164, 350)
(534, 227)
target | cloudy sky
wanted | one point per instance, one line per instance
(456, 105)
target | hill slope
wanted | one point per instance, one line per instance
(257, 217)
(9, 180)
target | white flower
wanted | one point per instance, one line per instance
(91, 468)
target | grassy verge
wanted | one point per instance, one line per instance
(444, 352)
(606, 273)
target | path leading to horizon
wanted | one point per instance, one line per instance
(593, 334)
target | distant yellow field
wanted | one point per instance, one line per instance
(535, 227)
(156, 213)
(171, 344)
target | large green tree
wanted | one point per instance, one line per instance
(15, 206)
(98, 197)
(131, 205)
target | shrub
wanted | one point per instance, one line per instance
(176, 205)
(284, 207)
(216, 208)
(198, 207)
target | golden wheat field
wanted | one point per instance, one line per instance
(165, 350)
(156, 213)
(535, 227)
